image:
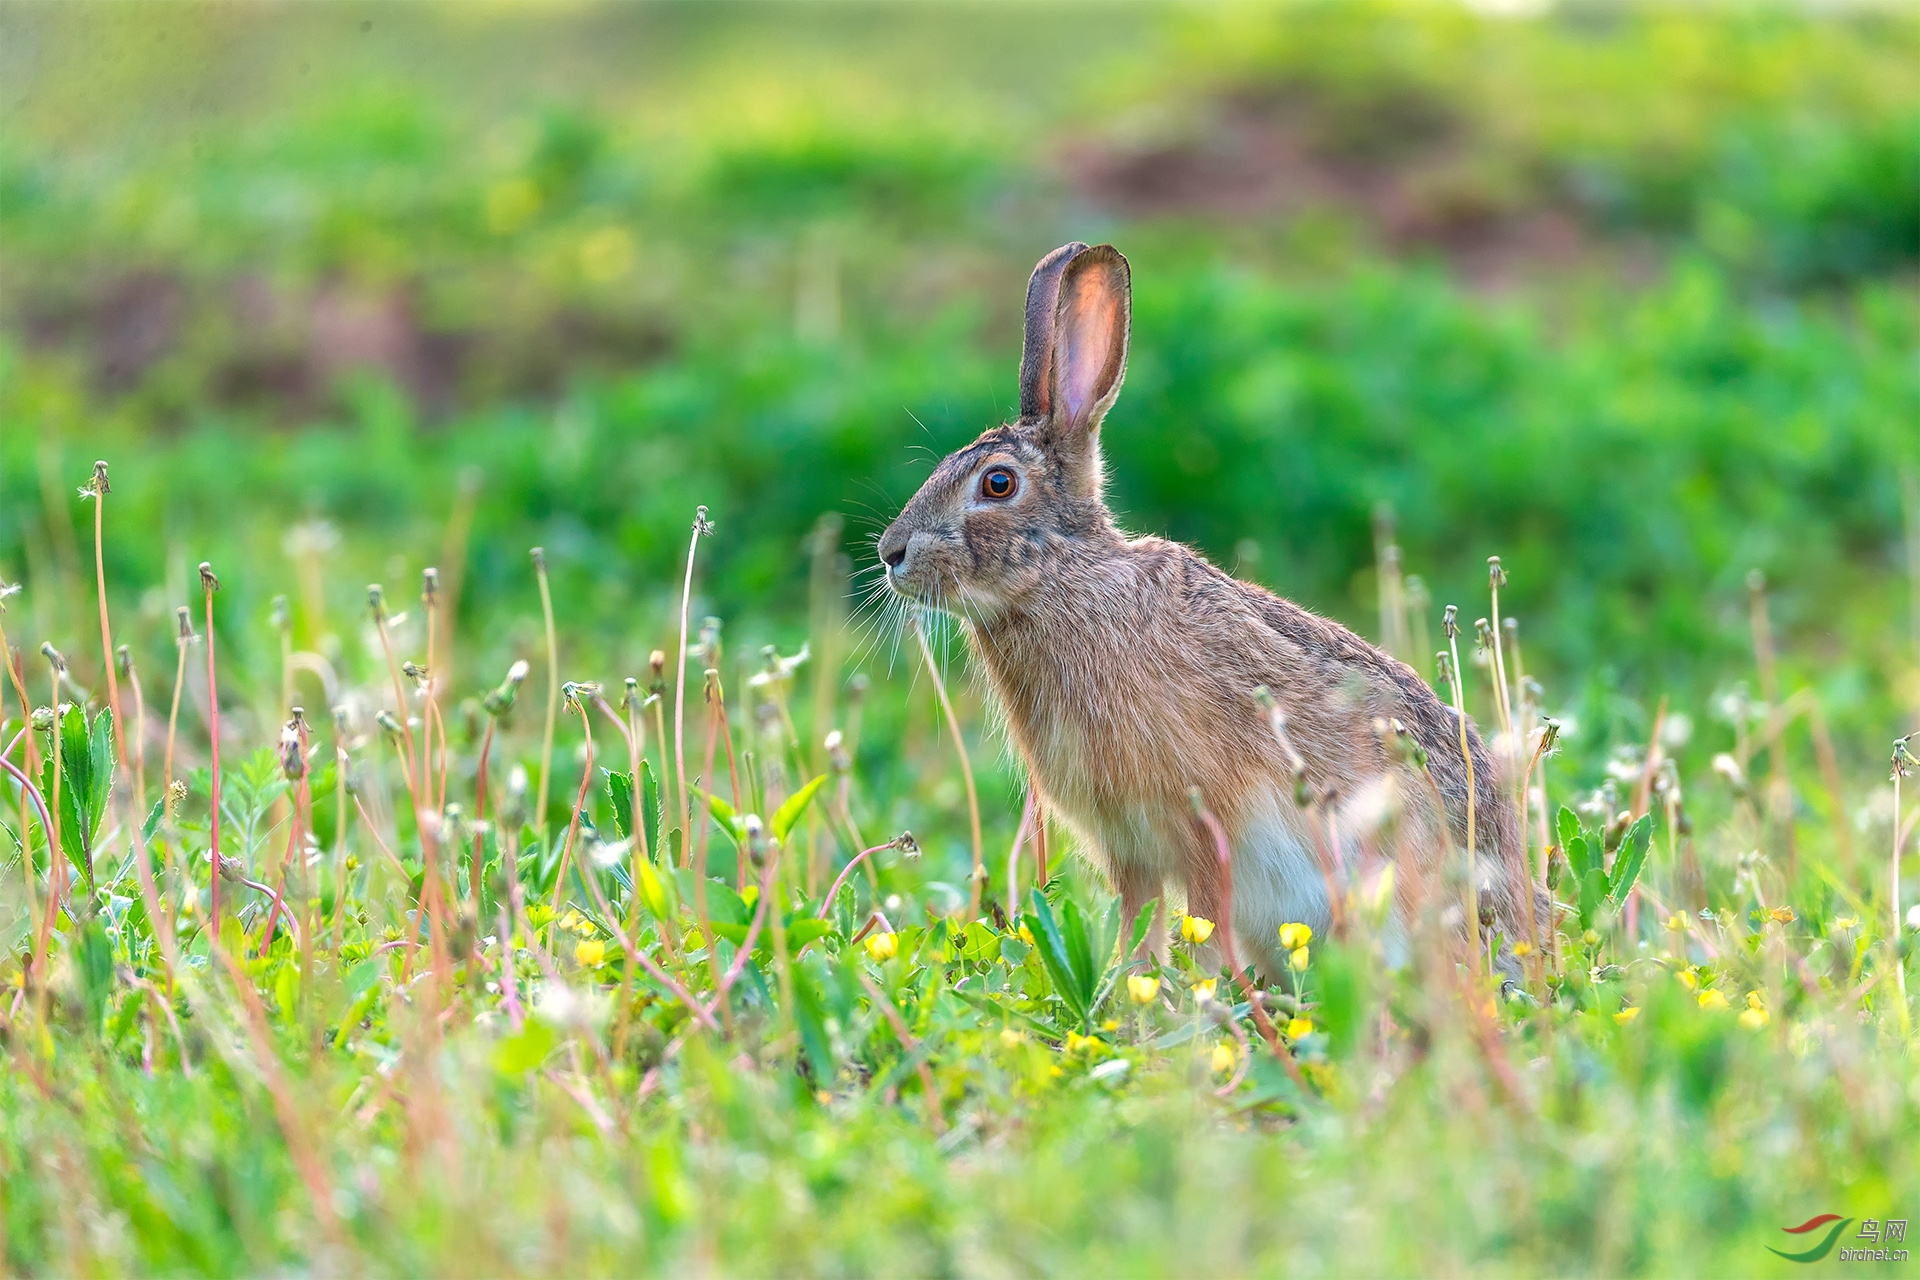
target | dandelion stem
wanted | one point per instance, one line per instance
(209, 584)
(966, 769)
(553, 694)
(685, 811)
(1466, 755)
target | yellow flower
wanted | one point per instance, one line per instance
(1521, 950)
(1753, 1019)
(1142, 988)
(1782, 914)
(1846, 922)
(591, 952)
(1111, 1024)
(1295, 936)
(822, 1097)
(1689, 980)
(883, 946)
(1055, 1072)
(1203, 990)
(1299, 1027)
(1026, 935)
(1076, 1042)
(1677, 922)
(1712, 1000)
(1299, 959)
(1196, 929)
(1627, 1015)
(1754, 1001)
(1224, 1056)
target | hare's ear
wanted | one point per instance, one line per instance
(1091, 322)
(1036, 355)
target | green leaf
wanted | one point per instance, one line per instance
(1567, 825)
(1055, 954)
(1632, 858)
(793, 807)
(1593, 891)
(653, 892)
(519, 1054)
(1579, 857)
(730, 820)
(152, 824)
(650, 808)
(620, 791)
(94, 960)
(800, 932)
(723, 904)
(810, 1020)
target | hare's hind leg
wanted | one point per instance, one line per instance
(1137, 886)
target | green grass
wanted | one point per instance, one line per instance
(1623, 295)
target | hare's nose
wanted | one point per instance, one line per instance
(893, 551)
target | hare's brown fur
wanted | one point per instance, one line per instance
(1126, 667)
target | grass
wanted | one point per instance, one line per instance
(496, 982)
(349, 1060)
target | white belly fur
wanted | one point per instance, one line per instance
(1276, 880)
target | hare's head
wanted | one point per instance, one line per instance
(997, 518)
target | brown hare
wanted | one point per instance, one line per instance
(1127, 670)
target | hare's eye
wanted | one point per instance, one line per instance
(997, 483)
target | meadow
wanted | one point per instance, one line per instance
(610, 889)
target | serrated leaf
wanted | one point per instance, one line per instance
(620, 791)
(793, 807)
(1566, 826)
(650, 808)
(1632, 858)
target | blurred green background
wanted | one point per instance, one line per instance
(1622, 293)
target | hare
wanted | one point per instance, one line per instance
(1127, 670)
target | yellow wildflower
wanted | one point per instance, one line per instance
(1677, 922)
(1026, 935)
(1712, 1000)
(1299, 1027)
(1627, 1015)
(1298, 959)
(1203, 990)
(590, 953)
(1055, 1072)
(1522, 950)
(1224, 1056)
(1689, 980)
(1111, 1024)
(1195, 929)
(1784, 915)
(1846, 922)
(1142, 988)
(883, 946)
(1753, 1019)
(1295, 936)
